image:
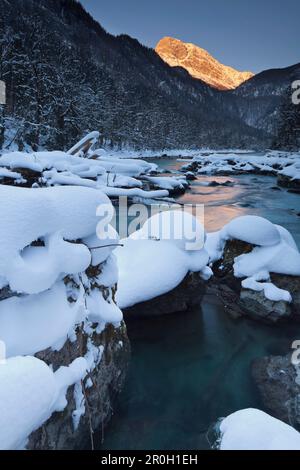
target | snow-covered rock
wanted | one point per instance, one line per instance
(57, 283)
(157, 258)
(254, 250)
(27, 393)
(278, 382)
(283, 164)
(82, 166)
(289, 177)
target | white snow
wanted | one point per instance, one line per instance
(155, 260)
(37, 322)
(90, 140)
(5, 173)
(251, 229)
(271, 292)
(255, 430)
(102, 246)
(168, 182)
(292, 171)
(65, 377)
(273, 162)
(80, 405)
(27, 393)
(97, 171)
(51, 214)
(100, 310)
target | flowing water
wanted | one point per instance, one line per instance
(189, 369)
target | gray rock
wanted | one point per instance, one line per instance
(244, 302)
(291, 284)
(99, 388)
(275, 377)
(185, 296)
(288, 182)
(256, 305)
(108, 377)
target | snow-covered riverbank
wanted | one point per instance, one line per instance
(60, 317)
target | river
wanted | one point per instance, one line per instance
(189, 369)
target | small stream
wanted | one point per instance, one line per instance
(189, 369)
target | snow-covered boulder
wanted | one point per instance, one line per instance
(175, 185)
(27, 393)
(65, 341)
(278, 382)
(249, 255)
(82, 166)
(289, 177)
(255, 430)
(155, 265)
(284, 165)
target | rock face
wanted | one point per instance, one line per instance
(200, 64)
(245, 302)
(257, 306)
(185, 296)
(277, 382)
(105, 382)
(89, 403)
(287, 182)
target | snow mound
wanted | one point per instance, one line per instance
(52, 215)
(251, 229)
(271, 163)
(292, 171)
(168, 182)
(28, 390)
(82, 166)
(37, 322)
(154, 260)
(32, 393)
(275, 251)
(175, 226)
(255, 430)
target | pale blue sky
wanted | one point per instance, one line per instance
(246, 34)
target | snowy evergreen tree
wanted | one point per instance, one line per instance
(288, 135)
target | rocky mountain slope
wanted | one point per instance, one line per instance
(258, 100)
(65, 76)
(200, 64)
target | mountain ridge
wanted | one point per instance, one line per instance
(200, 64)
(74, 77)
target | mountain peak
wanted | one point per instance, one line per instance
(200, 64)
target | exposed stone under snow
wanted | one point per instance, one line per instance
(113, 175)
(47, 242)
(273, 162)
(292, 171)
(274, 251)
